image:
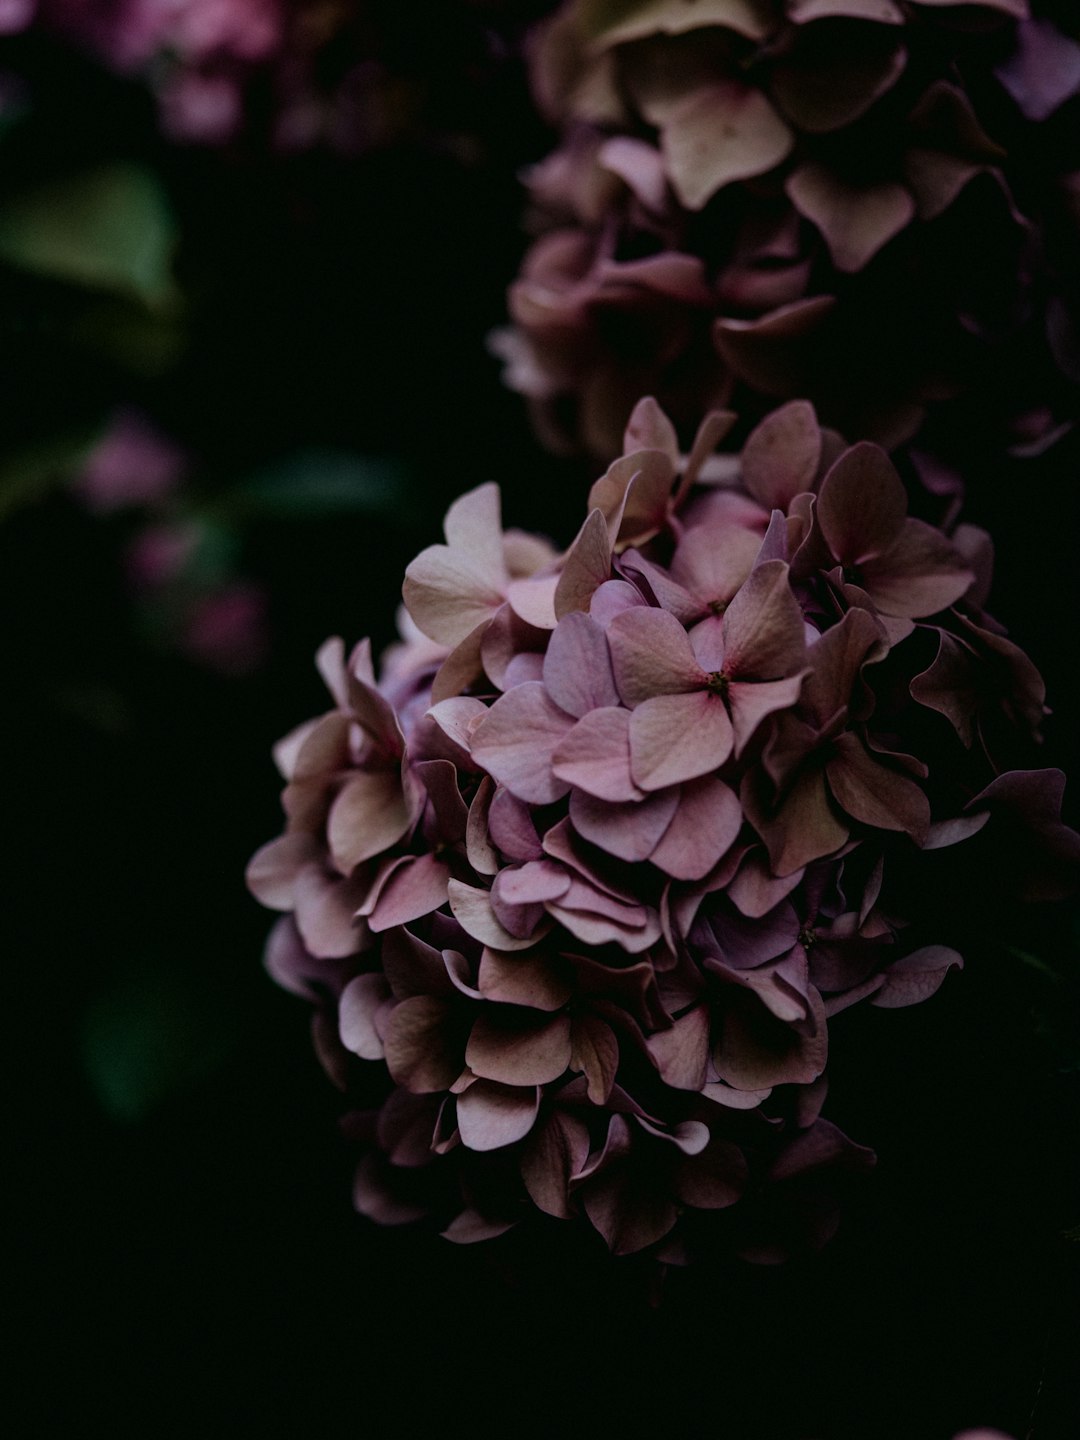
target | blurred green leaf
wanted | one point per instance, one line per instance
(318, 482)
(156, 1033)
(110, 229)
(28, 474)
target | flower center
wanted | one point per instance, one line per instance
(807, 937)
(717, 683)
(718, 606)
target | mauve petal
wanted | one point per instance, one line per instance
(479, 848)
(360, 1002)
(586, 567)
(689, 1136)
(823, 86)
(612, 26)
(413, 967)
(536, 880)
(374, 1197)
(755, 890)
(950, 685)
(470, 1228)
(714, 1179)
(594, 1052)
(781, 456)
(756, 1050)
(459, 973)
(440, 779)
(635, 496)
(678, 737)
(703, 828)
(885, 12)
(651, 655)
(423, 1049)
(611, 599)
(861, 505)
(802, 828)
(507, 644)
(369, 815)
(1043, 70)
(289, 965)
(555, 1151)
(491, 1115)
(856, 220)
(681, 1054)
(634, 931)
(458, 717)
(764, 632)
(777, 352)
(324, 748)
(743, 942)
(872, 793)
(473, 529)
(519, 1047)
(654, 581)
(577, 666)
(473, 912)
(534, 981)
(416, 887)
(755, 139)
(272, 871)
(447, 596)
(916, 977)
(595, 756)
(515, 740)
(511, 827)
(951, 832)
(629, 831)
(707, 643)
(630, 1210)
(920, 574)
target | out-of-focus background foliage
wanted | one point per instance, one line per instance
(240, 383)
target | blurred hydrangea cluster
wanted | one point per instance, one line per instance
(586, 872)
(756, 198)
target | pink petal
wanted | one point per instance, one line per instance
(650, 429)
(533, 1051)
(413, 967)
(515, 740)
(479, 848)
(803, 828)
(457, 718)
(326, 913)
(369, 815)
(651, 655)
(491, 1115)
(556, 1150)
(533, 600)
(512, 828)
(447, 596)
(630, 1210)
(921, 573)
(712, 562)
(885, 12)
(586, 568)
(703, 828)
(678, 737)
(595, 756)
(577, 666)
(594, 1053)
(754, 140)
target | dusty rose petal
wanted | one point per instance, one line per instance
(450, 589)
(472, 909)
(417, 886)
(916, 977)
(781, 456)
(862, 504)
(423, 1052)
(756, 1050)
(885, 12)
(515, 740)
(479, 848)
(855, 220)
(595, 756)
(714, 1179)
(1043, 70)
(594, 1053)
(803, 828)
(531, 980)
(712, 562)
(753, 140)
(369, 815)
(491, 1115)
(681, 1054)
(512, 828)
(470, 1228)
(703, 828)
(764, 631)
(650, 429)
(629, 831)
(629, 1209)
(360, 1002)
(554, 1153)
(920, 574)
(678, 737)
(750, 704)
(776, 353)
(577, 666)
(413, 967)
(674, 17)
(874, 794)
(272, 871)
(530, 1050)
(533, 600)
(586, 568)
(325, 913)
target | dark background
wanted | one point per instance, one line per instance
(184, 1259)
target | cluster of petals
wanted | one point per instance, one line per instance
(750, 197)
(593, 864)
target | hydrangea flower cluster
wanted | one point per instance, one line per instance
(592, 865)
(749, 197)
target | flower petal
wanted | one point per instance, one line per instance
(703, 828)
(515, 740)
(678, 737)
(519, 1047)
(491, 1115)
(577, 666)
(595, 756)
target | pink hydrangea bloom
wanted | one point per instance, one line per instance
(592, 866)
